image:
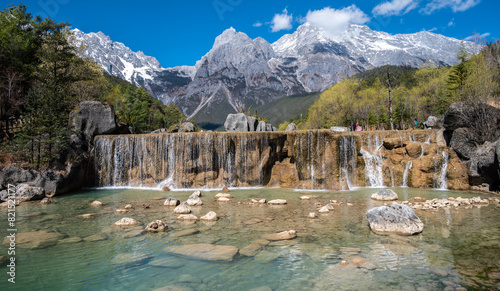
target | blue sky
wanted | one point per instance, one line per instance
(181, 32)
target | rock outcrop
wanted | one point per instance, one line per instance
(473, 132)
(395, 218)
(240, 122)
(385, 195)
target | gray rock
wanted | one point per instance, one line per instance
(395, 218)
(432, 122)
(194, 200)
(171, 202)
(291, 127)
(253, 122)
(90, 119)
(261, 126)
(26, 193)
(385, 195)
(183, 208)
(156, 226)
(270, 127)
(236, 122)
(463, 143)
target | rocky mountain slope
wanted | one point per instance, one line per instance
(239, 71)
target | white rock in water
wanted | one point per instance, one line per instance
(277, 202)
(395, 218)
(223, 199)
(183, 208)
(171, 202)
(222, 195)
(211, 216)
(194, 200)
(385, 195)
(197, 193)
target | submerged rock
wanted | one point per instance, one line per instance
(284, 235)
(130, 259)
(185, 232)
(183, 208)
(34, 239)
(167, 262)
(171, 202)
(395, 218)
(187, 217)
(385, 195)
(206, 252)
(251, 250)
(96, 237)
(156, 226)
(87, 215)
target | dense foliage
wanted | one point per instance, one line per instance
(43, 78)
(415, 94)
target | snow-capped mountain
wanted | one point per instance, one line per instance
(239, 71)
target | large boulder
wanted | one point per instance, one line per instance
(27, 193)
(206, 252)
(385, 195)
(253, 122)
(236, 122)
(261, 126)
(90, 119)
(432, 122)
(463, 142)
(484, 166)
(396, 218)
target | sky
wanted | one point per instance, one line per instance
(181, 32)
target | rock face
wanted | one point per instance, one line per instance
(205, 252)
(91, 118)
(27, 193)
(395, 218)
(473, 132)
(385, 195)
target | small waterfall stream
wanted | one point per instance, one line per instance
(440, 176)
(347, 162)
(373, 162)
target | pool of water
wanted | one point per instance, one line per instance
(459, 248)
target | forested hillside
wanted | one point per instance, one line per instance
(415, 94)
(43, 78)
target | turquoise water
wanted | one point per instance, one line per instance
(458, 247)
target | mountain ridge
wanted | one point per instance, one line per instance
(239, 71)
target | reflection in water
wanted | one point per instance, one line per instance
(458, 248)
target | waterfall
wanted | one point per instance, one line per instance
(440, 178)
(373, 163)
(409, 164)
(347, 162)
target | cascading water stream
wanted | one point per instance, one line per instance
(440, 180)
(373, 163)
(347, 162)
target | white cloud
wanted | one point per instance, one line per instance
(257, 24)
(336, 21)
(455, 5)
(281, 21)
(395, 7)
(477, 36)
(452, 22)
